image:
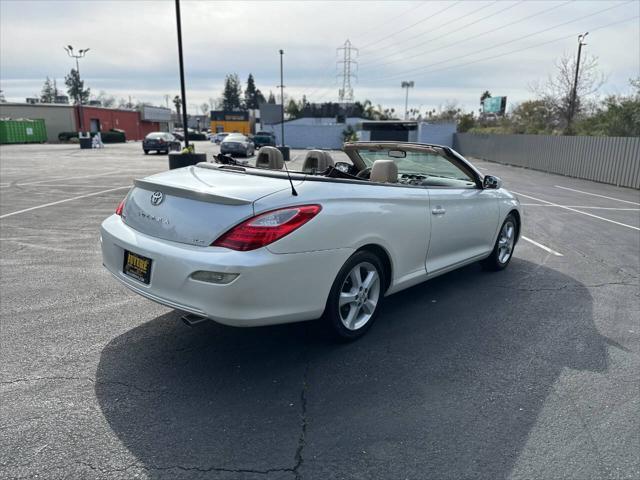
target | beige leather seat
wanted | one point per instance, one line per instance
(317, 161)
(270, 157)
(384, 171)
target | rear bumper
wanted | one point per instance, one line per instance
(270, 289)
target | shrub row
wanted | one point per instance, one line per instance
(197, 136)
(112, 136)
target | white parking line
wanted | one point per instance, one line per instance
(582, 206)
(577, 211)
(598, 195)
(62, 178)
(63, 201)
(543, 247)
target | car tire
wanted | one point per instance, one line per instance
(146, 152)
(356, 297)
(505, 243)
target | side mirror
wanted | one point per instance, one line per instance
(491, 182)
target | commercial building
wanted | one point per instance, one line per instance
(407, 131)
(57, 118)
(66, 118)
(231, 121)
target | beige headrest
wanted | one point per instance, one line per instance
(317, 161)
(384, 171)
(270, 157)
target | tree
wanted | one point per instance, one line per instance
(466, 122)
(534, 117)
(260, 98)
(204, 108)
(231, 95)
(177, 102)
(486, 94)
(252, 94)
(272, 98)
(105, 99)
(349, 134)
(49, 92)
(75, 87)
(2, 99)
(292, 109)
(558, 88)
(618, 116)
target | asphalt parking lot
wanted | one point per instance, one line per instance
(530, 373)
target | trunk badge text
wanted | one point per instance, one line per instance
(157, 198)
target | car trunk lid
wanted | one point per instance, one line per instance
(195, 205)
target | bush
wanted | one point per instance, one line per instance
(112, 136)
(197, 136)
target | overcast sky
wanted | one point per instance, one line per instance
(452, 50)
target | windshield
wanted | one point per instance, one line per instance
(423, 163)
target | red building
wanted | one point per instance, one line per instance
(98, 119)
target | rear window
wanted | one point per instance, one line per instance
(156, 136)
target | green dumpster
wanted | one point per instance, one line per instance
(23, 131)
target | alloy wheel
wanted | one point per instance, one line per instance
(506, 241)
(359, 296)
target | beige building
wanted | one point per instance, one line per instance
(57, 118)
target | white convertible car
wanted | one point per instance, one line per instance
(248, 246)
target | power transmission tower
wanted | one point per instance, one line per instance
(349, 53)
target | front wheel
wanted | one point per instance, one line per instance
(146, 152)
(355, 297)
(503, 248)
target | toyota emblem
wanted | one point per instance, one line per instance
(157, 198)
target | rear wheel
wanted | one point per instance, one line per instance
(503, 248)
(355, 297)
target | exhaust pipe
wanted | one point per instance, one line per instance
(191, 319)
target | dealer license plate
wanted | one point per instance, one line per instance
(136, 266)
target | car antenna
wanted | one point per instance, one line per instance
(293, 190)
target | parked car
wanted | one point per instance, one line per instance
(218, 137)
(264, 139)
(237, 144)
(340, 240)
(161, 142)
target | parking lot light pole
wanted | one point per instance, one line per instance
(407, 86)
(281, 100)
(182, 87)
(81, 53)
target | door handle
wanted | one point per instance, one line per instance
(438, 210)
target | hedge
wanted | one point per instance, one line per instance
(112, 136)
(197, 136)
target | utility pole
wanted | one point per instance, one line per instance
(345, 94)
(182, 87)
(81, 53)
(281, 100)
(574, 90)
(407, 86)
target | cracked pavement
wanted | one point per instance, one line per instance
(531, 373)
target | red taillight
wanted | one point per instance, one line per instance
(120, 207)
(266, 228)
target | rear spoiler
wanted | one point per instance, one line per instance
(199, 195)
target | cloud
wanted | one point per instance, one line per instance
(452, 55)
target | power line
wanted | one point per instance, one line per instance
(389, 20)
(444, 25)
(418, 69)
(377, 61)
(546, 10)
(411, 26)
(491, 57)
